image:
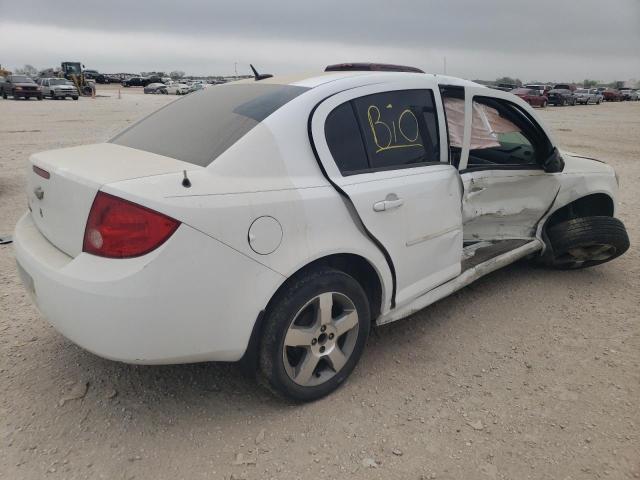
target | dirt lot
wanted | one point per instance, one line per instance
(528, 373)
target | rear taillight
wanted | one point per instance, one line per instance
(117, 228)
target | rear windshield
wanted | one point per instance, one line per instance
(202, 125)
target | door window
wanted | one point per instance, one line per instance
(501, 135)
(384, 131)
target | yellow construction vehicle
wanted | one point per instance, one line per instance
(73, 71)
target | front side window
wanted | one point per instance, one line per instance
(201, 126)
(501, 135)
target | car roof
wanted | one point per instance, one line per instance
(312, 80)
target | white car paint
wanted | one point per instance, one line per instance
(177, 88)
(187, 300)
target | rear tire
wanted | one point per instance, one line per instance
(585, 242)
(314, 334)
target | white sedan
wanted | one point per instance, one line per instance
(275, 221)
(176, 88)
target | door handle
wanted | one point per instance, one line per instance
(392, 201)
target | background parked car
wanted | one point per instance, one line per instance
(564, 86)
(177, 88)
(105, 78)
(561, 97)
(629, 94)
(585, 96)
(160, 88)
(20, 86)
(196, 86)
(598, 94)
(612, 95)
(506, 87)
(532, 96)
(91, 74)
(544, 89)
(58, 88)
(140, 81)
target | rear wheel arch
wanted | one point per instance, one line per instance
(356, 266)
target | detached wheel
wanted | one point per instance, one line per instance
(314, 335)
(585, 242)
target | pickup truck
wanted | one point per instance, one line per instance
(56, 88)
(20, 86)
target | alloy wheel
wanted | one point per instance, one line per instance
(576, 257)
(320, 339)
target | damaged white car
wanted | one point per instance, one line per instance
(276, 220)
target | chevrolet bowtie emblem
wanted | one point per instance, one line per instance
(39, 193)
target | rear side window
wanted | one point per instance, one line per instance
(345, 142)
(202, 125)
(400, 128)
(384, 131)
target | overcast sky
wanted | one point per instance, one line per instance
(534, 40)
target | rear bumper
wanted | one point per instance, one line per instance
(28, 93)
(192, 299)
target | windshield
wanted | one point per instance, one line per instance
(21, 79)
(59, 81)
(201, 126)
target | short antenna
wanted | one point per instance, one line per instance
(186, 183)
(259, 76)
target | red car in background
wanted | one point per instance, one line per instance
(532, 96)
(611, 95)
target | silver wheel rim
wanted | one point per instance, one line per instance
(595, 252)
(320, 339)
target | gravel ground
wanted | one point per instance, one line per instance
(528, 373)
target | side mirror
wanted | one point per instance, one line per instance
(554, 163)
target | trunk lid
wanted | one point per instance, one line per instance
(60, 204)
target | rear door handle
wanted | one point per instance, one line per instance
(392, 201)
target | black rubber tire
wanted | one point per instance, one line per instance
(586, 233)
(282, 310)
(75, 97)
(4, 95)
